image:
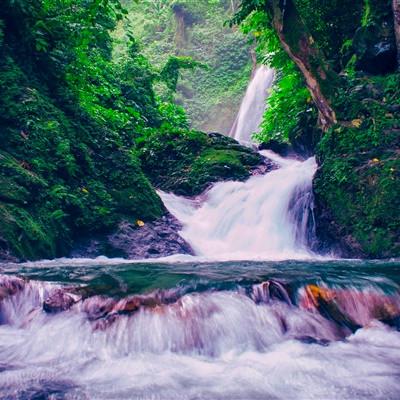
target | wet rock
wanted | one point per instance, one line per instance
(283, 149)
(58, 300)
(269, 291)
(10, 285)
(263, 168)
(98, 307)
(313, 340)
(375, 48)
(350, 308)
(159, 238)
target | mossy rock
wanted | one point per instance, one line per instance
(357, 186)
(188, 162)
(23, 235)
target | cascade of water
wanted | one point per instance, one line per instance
(252, 108)
(56, 342)
(268, 216)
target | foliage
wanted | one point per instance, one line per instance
(289, 97)
(170, 72)
(195, 29)
(70, 115)
(331, 22)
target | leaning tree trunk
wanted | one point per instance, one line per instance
(396, 17)
(301, 48)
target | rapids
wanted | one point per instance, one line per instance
(266, 330)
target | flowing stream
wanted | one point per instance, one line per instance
(255, 315)
(237, 330)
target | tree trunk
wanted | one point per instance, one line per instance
(300, 46)
(396, 17)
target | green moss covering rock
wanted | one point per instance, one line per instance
(187, 162)
(358, 183)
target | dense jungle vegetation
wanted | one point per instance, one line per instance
(346, 53)
(211, 96)
(93, 99)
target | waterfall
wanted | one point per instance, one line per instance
(252, 108)
(268, 216)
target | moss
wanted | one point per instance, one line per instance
(187, 162)
(215, 165)
(24, 235)
(359, 178)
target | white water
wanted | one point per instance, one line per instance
(213, 345)
(266, 217)
(252, 108)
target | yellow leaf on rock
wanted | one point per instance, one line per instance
(356, 123)
(375, 160)
(139, 223)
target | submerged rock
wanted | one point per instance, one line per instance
(10, 285)
(159, 238)
(270, 290)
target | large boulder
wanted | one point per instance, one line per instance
(188, 162)
(137, 240)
